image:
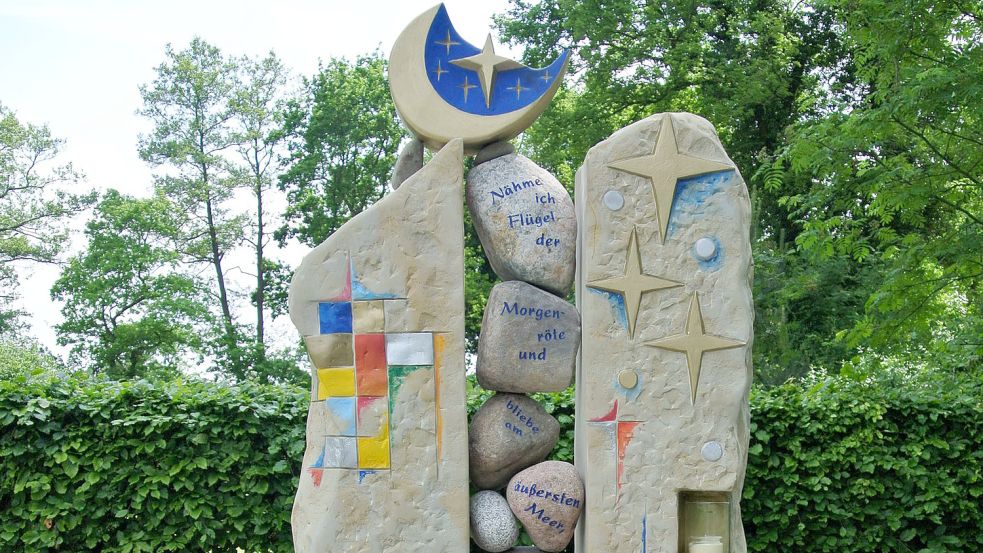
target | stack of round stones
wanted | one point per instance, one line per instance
(529, 339)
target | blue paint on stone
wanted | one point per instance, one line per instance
(363, 473)
(448, 80)
(617, 304)
(335, 317)
(692, 195)
(343, 409)
(361, 292)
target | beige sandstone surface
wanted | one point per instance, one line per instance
(381, 306)
(663, 286)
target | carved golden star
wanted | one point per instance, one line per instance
(466, 86)
(439, 71)
(694, 342)
(633, 284)
(447, 42)
(518, 88)
(664, 167)
(486, 63)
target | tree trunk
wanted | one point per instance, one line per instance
(260, 284)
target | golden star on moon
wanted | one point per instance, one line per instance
(486, 63)
(633, 283)
(518, 88)
(664, 167)
(466, 87)
(447, 42)
(694, 342)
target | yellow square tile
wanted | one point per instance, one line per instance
(335, 383)
(373, 453)
(369, 316)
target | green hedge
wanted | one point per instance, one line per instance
(104, 466)
(90, 466)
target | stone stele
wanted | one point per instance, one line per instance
(529, 340)
(664, 290)
(380, 305)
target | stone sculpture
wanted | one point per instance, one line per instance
(381, 307)
(664, 290)
(658, 244)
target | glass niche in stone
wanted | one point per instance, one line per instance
(704, 526)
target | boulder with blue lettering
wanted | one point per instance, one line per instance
(508, 433)
(526, 222)
(548, 499)
(529, 340)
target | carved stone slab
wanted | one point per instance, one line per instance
(663, 286)
(380, 304)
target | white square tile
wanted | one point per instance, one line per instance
(340, 452)
(409, 348)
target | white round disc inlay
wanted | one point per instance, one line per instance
(712, 451)
(705, 248)
(613, 200)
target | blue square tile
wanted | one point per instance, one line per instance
(335, 317)
(343, 411)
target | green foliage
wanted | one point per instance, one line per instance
(129, 466)
(344, 139)
(842, 466)
(895, 167)
(34, 201)
(834, 465)
(129, 312)
(754, 70)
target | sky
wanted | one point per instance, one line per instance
(77, 67)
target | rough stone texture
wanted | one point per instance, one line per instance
(410, 161)
(548, 499)
(508, 433)
(525, 220)
(494, 150)
(637, 448)
(403, 258)
(529, 340)
(493, 526)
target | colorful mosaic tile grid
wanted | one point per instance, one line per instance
(359, 368)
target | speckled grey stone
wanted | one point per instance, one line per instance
(529, 340)
(526, 222)
(493, 526)
(410, 161)
(508, 433)
(547, 499)
(494, 150)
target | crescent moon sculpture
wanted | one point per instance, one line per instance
(445, 88)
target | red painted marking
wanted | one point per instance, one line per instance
(364, 402)
(611, 416)
(316, 475)
(625, 430)
(346, 294)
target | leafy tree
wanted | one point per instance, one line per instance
(755, 69)
(34, 200)
(190, 106)
(129, 311)
(895, 166)
(344, 138)
(258, 105)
